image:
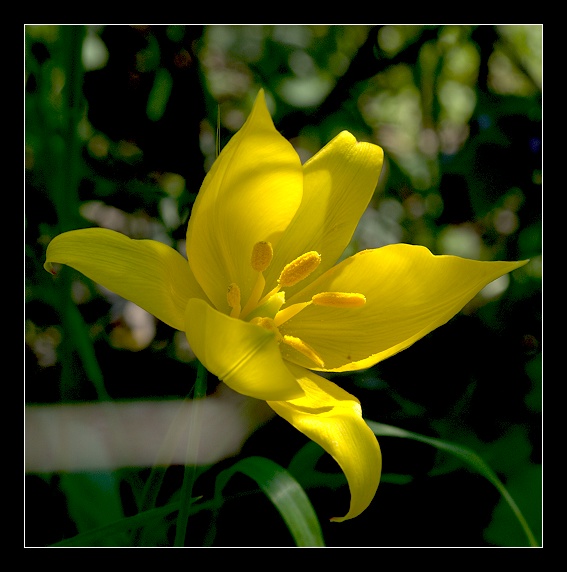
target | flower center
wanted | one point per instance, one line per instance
(266, 310)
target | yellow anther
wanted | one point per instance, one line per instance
(304, 349)
(339, 299)
(267, 324)
(299, 269)
(233, 299)
(262, 255)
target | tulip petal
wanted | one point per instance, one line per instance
(243, 355)
(409, 292)
(332, 418)
(339, 182)
(250, 195)
(149, 273)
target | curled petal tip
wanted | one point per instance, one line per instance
(337, 519)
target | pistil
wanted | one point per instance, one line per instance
(267, 324)
(265, 311)
(294, 272)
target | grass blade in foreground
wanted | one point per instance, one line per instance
(470, 457)
(190, 472)
(284, 492)
(124, 525)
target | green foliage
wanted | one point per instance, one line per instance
(120, 129)
(284, 492)
(469, 457)
(93, 500)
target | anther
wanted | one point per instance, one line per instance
(299, 269)
(339, 299)
(233, 299)
(267, 324)
(262, 254)
(304, 349)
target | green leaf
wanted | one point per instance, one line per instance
(95, 536)
(190, 471)
(159, 95)
(302, 467)
(526, 488)
(284, 492)
(93, 500)
(466, 455)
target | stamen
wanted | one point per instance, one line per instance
(233, 299)
(262, 254)
(254, 295)
(339, 299)
(299, 269)
(289, 312)
(267, 324)
(304, 349)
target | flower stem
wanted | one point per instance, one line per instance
(190, 472)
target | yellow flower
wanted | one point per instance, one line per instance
(261, 300)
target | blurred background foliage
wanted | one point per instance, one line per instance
(120, 129)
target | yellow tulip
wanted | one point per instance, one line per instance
(261, 298)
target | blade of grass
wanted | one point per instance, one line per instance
(130, 524)
(63, 167)
(119, 527)
(80, 340)
(466, 455)
(189, 474)
(284, 492)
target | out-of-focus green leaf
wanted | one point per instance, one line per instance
(503, 530)
(159, 96)
(534, 370)
(118, 528)
(302, 467)
(93, 500)
(469, 457)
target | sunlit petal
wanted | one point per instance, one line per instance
(250, 195)
(332, 418)
(339, 182)
(149, 273)
(409, 292)
(245, 356)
